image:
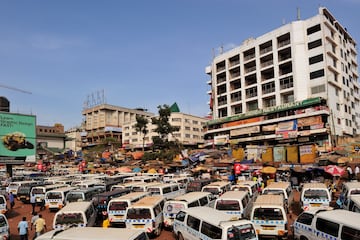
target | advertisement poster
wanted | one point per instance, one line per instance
(18, 138)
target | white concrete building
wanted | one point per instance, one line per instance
(297, 83)
(190, 133)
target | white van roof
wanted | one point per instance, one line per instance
(278, 185)
(233, 195)
(75, 207)
(212, 216)
(341, 216)
(314, 185)
(269, 200)
(352, 184)
(148, 201)
(91, 233)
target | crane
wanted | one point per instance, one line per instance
(15, 89)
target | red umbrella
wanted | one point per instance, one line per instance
(334, 170)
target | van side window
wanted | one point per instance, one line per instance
(193, 204)
(176, 188)
(211, 230)
(328, 227)
(193, 222)
(157, 210)
(203, 201)
(244, 201)
(166, 190)
(180, 216)
(305, 218)
(350, 233)
(89, 212)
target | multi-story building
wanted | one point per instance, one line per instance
(295, 84)
(50, 140)
(105, 121)
(190, 131)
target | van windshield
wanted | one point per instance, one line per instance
(38, 191)
(2, 200)
(245, 231)
(118, 206)
(24, 189)
(315, 194)
(213, 190)
(138, 213)
(69, 218)
(2, 221)
(229, 205)
(53, 195)
(268, 214)
(74, 197)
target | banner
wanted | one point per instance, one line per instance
(18, 138)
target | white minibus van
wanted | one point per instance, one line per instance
(116, 208)
(353, 203)
(75, 214)
(3, 205)
(146, 214)
(14, 186)
(94, 233)
(250, 186)
(269, 216)
(314, 195)
(55, 199)
(128, 185)
(141, 179)
(327, 224)
(143, 187)
(236, 203)
(4, 227)
(350, 189)
(283, 188)
(217, 188)
(39, 191)
(207, 223)
(188, 200)
(167, 190)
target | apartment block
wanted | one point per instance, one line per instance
(190, 134)
(295, 84)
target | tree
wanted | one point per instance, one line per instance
(141, 127)
(163, 126)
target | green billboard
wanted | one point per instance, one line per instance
(17, 138)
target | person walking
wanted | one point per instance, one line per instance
(34, 217)
(11, 200)
(356, 172)
(33, 202)
(40, 226)
(350, 173)
(23, 229)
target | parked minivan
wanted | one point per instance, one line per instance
(4, 227)
(3, 204)
(188, 200)
(283, 188)
(314, 195)
(116, 208)
(146, 214)
(75, 214)
(217, 188)
(350, 189)
(167, 190)
(236, 203)
(207, 223)
(327, 224)
(353, 203)
(269, 216)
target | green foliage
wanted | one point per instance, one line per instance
(141, 126)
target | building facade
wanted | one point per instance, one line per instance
(190, 134)
(295, 84)
(106, 121)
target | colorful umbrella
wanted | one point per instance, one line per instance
(334, 170)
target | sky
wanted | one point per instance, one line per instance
(138, 53)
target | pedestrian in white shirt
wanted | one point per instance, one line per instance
(357, 171)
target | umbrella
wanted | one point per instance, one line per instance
(136, 170)
(124, 170)
(334, 170)
(152, 170)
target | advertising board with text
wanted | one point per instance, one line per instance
(18, 138)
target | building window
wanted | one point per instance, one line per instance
(318, 89)
(317, 74)
(336, 92)
(314, 44)
(339, 121)
(316, 59)
(313, 29)
(338, 106)
(176, 119)
(195, 122)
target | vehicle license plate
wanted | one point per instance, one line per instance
(315, 204)
(268, 228)
(139, 226)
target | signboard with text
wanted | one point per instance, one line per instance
(17, 138)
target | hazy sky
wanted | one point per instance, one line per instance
(141, 53)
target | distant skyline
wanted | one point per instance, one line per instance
(140, 53)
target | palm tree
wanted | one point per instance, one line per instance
(141, 126)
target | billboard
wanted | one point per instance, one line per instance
(17, 138)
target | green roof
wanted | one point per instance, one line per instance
(174, 108)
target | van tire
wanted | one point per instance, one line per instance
(180, 237)
(303, 238)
